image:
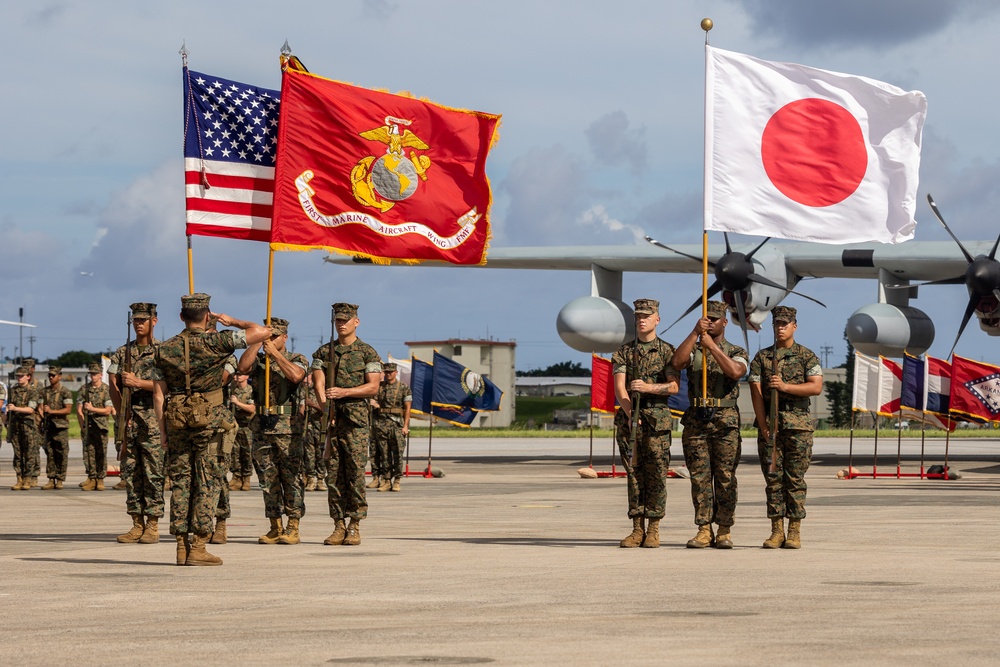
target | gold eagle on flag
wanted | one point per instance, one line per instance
(381, 182)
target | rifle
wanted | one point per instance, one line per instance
(125, 411)
(331, 373)
(772, 420)
(633, 434)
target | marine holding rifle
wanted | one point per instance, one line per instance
(644, 379)
(137, 436)
(780, 387)
(277, 437)
(346, 373)
(92, 409)
(711, 435)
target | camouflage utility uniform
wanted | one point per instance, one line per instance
(351, 430)
(313, 442)
(142, 466)
(21, 431)
(392, 398)
(57, 432)
(94, 431)
(647, 489)
(786, 488)
(242, 456)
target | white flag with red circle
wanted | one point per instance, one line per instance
(807, 154)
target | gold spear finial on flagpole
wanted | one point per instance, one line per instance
(184, 53)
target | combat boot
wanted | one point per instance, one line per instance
(98, 484)
(338, 534)
(198, 555)
(321, 484)
(132, 536)
(120, 486)
(703, 539)
(395, 484)
(183, 549)
(151, 533)
(246, 484)
(652, 539)
(723, 540)
(89, 485)
(386, 484)
(353, 533)
(634, 538)
(291, 534)
(794, 539)
(219, 534)
(18, 485)
(59, 484)
(777, 533)
(51, 484)
(375, 483)
(235, 483)
(311, 484)
(271, 537)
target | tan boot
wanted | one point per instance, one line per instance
(311, 484)
(59, 484)
(98, 484)
(321, 484)
(120, 486)
(271, 537)
(245, 485)
(235, 483)
(395, 484)
(353, 533)
(291, 534)
(652, 540)
(219, 534)
(634, 538)
(89, 485)
(794, 539)
(375, 483)
(703, 539)
(338, 534)
(132, 536)
(198, 555)
(777, 533)
(386, 484)
(51, 484)
(724, 539)
(18, 485)
(183, 549)
(151, 533)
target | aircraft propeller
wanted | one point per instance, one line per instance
(981, 277)
(733, 272)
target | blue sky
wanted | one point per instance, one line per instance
(601, 142)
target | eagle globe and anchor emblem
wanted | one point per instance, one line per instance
(380, 182)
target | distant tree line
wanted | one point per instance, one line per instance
(564, 369)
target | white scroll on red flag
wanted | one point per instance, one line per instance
(806, 154)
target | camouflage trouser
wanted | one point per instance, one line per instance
(242, 459)
(57, 448)
(391, 445)
(142, 468)
(378, 455)
(647, 487)
(711, 454)
(37, 445)
(222, 510)
(786, 488)
(25, 454)
(313, 442)
(279, 460)
(95, 452)
(345, 477)
(195, 462)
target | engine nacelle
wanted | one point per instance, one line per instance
(595, 324)
(881, 328)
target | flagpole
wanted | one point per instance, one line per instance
(899, 440)
(190, 266)
(875, 453)
(850, 447)
(923, 432)
(706, 25)
(591, 438)
(267, 320)
(184, 63)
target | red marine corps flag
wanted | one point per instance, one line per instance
(377, 175)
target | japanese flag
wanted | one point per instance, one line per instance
(807, 154)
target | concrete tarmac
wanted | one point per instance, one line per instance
(512, 559)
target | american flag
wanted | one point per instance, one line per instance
(230, 141)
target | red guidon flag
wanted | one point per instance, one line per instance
(602, 385)
(381, 176)
(975, 389)
(807, 154)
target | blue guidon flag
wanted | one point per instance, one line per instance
(455, 386)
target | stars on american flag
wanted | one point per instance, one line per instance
(236, 122)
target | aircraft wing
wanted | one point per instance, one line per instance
(18, 324)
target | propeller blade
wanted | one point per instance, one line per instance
(742, 313)
(651, 240)
(971, 308)
(759, 246)
(713, 289)
(754, 278)
(729, 248)
(937, 213)
(994, 251)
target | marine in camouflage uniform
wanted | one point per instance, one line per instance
(711, 433)
(798, 377)
(313, 439)
(643, 367)
(277, 438)
(241, 402)
(392, 425)
(356, 369)
(56, 406)
(143, 458)
(21, 425)
(189, 408)
(38, 443)
(92, 409)
(223, 509)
